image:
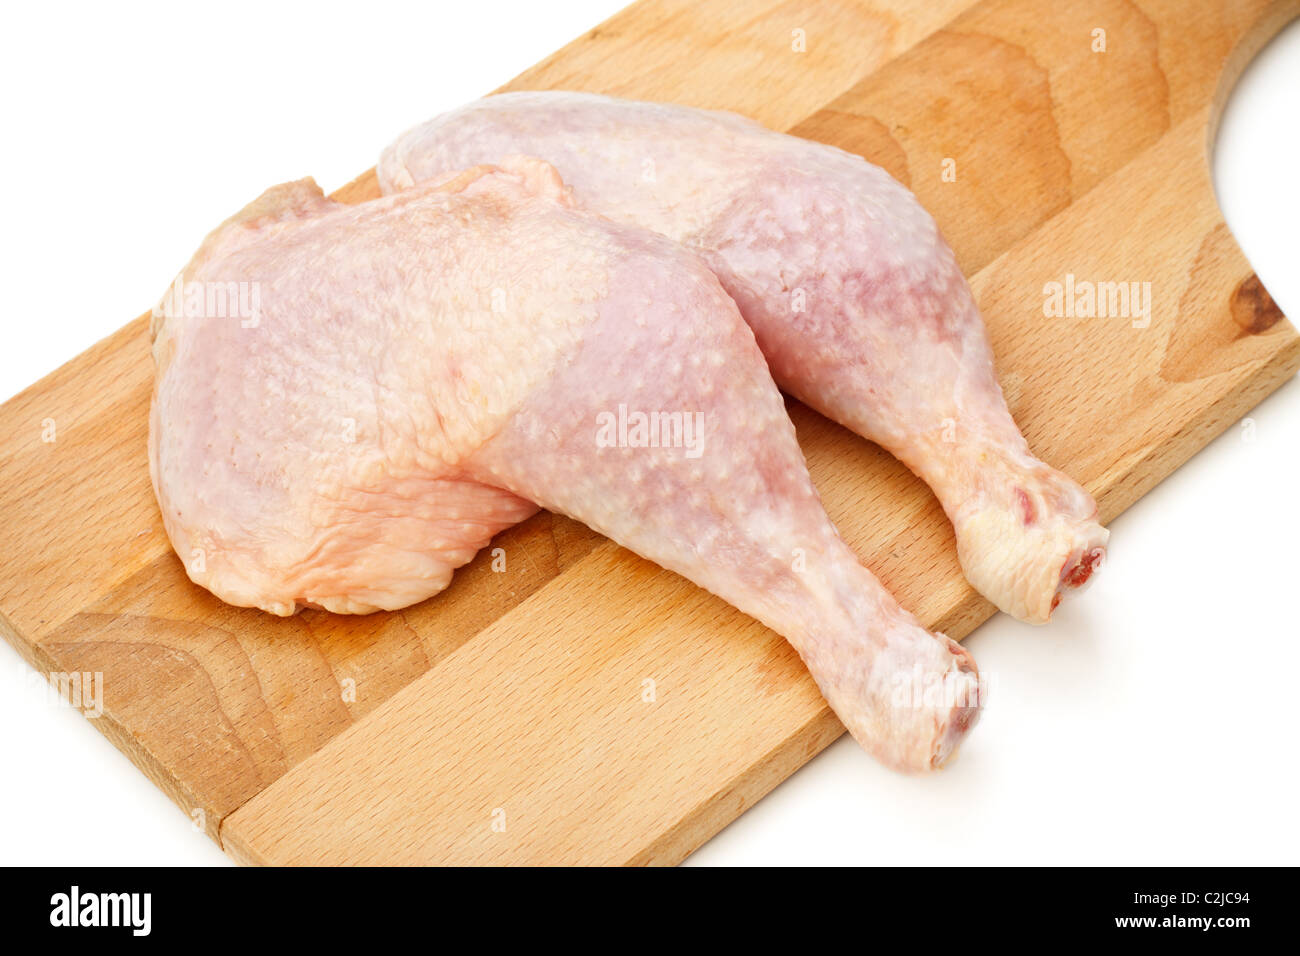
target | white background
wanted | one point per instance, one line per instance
(1153, 722)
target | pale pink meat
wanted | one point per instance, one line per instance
(426, 369)
(856, 301)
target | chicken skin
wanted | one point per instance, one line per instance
(855, 299)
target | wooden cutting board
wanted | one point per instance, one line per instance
(583, 705)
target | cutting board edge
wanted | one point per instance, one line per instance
(44, 663)
(1143, 474)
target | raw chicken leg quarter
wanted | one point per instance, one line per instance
(855, 299)
(424, 370)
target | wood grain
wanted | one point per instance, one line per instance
(395, 737)
(741, 56)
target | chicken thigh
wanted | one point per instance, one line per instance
(855, 299)
(426, 369)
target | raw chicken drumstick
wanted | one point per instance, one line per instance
(856, 301)
(424, 370)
